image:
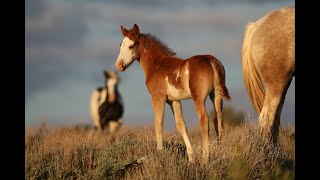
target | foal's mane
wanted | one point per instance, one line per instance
(156, 41)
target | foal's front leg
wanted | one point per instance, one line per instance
(181, 126)
(158, 108)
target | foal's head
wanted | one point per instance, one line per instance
(129, 48)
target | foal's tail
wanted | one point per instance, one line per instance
(251, 77)
(219, 79)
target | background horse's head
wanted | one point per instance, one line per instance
(111, 79)
(129, 48)
(111, 84)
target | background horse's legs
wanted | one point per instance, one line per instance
(97, 126)
(203, 116)
(113, 127)
(158, 108)
(181, 126)
(218, 121)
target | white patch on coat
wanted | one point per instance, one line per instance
(178, 75)
(103, 96)
(171, 90)
(178, 94)
(186, 72)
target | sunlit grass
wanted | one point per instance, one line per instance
(78, 153)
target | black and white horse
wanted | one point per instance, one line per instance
(106, 105)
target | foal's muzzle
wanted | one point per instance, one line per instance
(120, 66)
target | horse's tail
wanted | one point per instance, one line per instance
(251, 77)
(219, 79)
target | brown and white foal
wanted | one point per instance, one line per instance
(170, 79)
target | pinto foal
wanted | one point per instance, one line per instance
(106, 105)
(170, 79)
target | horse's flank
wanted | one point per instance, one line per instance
(268, 64)
(170, 76)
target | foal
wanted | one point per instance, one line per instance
(106, 105)
(170, 79)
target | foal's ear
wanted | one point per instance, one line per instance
(124, 31)
(135, 30)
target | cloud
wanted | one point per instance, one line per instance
(177, 4)
(212, 29)
(58, 25)
(47, 66)
(35, 8)
(52, 33)
(43, 70)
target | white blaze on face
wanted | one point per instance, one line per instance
(128, 52)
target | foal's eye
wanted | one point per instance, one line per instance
(130, 47)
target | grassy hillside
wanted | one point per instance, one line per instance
(79, 153)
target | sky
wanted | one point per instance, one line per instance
(68, 45)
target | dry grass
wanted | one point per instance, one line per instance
(75, 153)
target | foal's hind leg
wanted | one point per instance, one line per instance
(181, 126)
(218, 121)
(203, 116)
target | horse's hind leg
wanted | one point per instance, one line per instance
(181, 126)
(218, 121)
(203, 116)
(269, 118)
(268, 121)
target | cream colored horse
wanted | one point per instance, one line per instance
(268, 64)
